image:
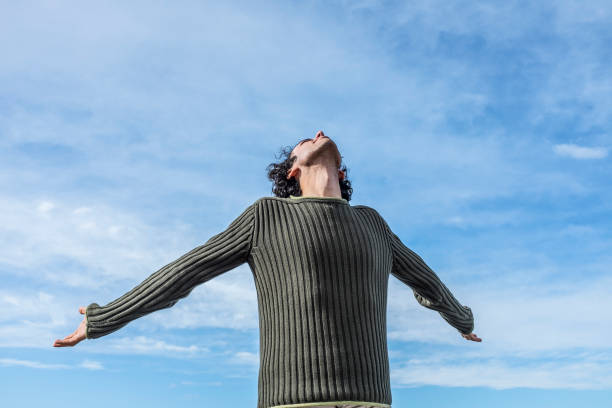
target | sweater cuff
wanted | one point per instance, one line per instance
(87, 323)
(470, 329)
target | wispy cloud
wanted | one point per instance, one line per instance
(87, 364)
(228, 301)
(544, 309)
(83, 244)
(147, 345)
(92, 365)
(540, 336)
(31, 318)
(580, 152)
(245, 357)
(590, 374)
(32, 364)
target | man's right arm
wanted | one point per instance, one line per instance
(176, 280)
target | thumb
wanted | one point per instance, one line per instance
(82, 310)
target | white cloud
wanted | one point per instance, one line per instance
(147, 345)
(557, 374)
(580, 152)
(546, 335)
(95, 245)
(45, 206)
(31, 364)
(513, 316)
(88, 364)
(92, 365)
(228, 301)
(245, 357)
(35, 318)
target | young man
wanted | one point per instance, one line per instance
(321, 270)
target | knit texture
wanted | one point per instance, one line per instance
(321, 270)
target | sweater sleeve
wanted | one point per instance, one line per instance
(428, 289)
(168, 285)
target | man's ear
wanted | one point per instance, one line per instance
(341, 175)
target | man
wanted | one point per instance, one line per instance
(321, 270)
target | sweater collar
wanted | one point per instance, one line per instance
(315, 197)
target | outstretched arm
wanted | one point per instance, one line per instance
(172, 282)
(428, 289)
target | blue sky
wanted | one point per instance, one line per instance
(131, 133)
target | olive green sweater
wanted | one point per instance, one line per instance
(321, 268)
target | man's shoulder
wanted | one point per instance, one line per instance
(372, 212)
(366, 208)
(269, 198)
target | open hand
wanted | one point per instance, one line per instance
(471, 336)
(76, 336)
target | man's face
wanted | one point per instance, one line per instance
(310, 150)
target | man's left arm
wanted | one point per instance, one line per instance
(428, 289)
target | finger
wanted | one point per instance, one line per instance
(66, 342)
(471, 336)
(72, 334)
(60, 343)
(82, 309)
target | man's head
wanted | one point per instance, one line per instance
(318, 151)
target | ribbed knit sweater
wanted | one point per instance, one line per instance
(321, 268)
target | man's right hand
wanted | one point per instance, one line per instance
(471, 336)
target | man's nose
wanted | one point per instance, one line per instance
(319, 133)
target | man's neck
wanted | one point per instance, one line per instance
(320, 181)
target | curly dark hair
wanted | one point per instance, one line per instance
(283, 187)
